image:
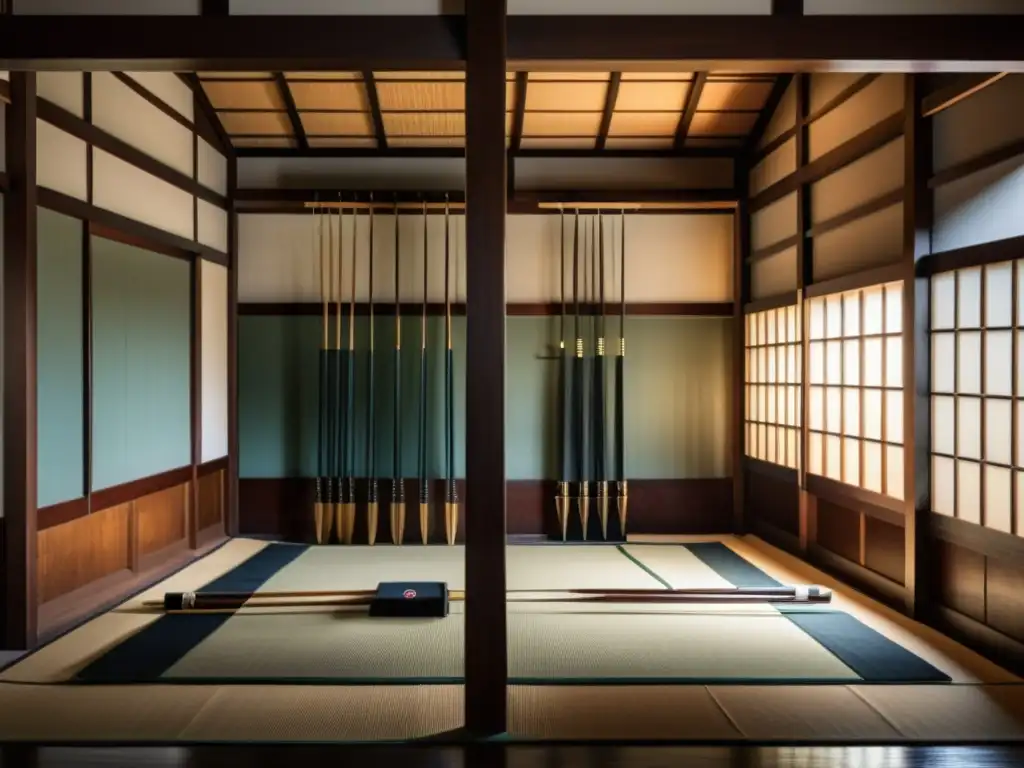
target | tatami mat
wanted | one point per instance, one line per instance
(796, 713)
(336, 713)
(61, 658)
(662, 712)
(962, 713)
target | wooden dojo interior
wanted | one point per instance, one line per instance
(422, 373)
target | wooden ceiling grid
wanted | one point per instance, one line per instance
(544, 110)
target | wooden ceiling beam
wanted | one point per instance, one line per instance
(774, 99)
(458, 152)
(206, 107)
(966, 43)
(960, 88)
(370, 82)
(692, 99)
(609, 109)
(293, 113)
(519, 114)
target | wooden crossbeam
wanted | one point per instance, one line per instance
(518, 115)
(293, 113)
(961, 88)
(692, 99)
(609, 109)
(378, 120)
(774, 98)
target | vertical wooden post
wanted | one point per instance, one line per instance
(231, 480)
(19, 363)
(486, 705)
(197, 401)
(917, 225)
(804, 277)
(740, 296)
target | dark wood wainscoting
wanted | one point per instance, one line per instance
(976, 573)
(133, 534)
(772, 500)
(284, 507)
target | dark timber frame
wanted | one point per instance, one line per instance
(484, 42)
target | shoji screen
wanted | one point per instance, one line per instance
(976, 447)
(855, 397)
(774, 362)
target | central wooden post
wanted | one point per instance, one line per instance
(486, 674)
(18, 559)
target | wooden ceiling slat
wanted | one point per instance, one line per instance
(329, 95)
(566, 97)
(266, 142)
(428, 141)
(652, 97)
(243, 94)
(561, 123)
(323, 75)
(337, 123)
(235, 75)
(734, 95)
(601, 77)
(347, 142)
(633, 142)
(422, 96)
(424, 124)
(644, 124)
(560, 142)
(417, 75)
(652, 76)
(256, 123)
(515, 130)
(718, 123)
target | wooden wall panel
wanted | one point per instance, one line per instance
(161, 518)
(671, 257)
(774, 275)
(170, 89)
(122, 188)
(871, 241)
(775, 167)
(988, 120)
(868, 107)
(120, 111)
(211, 499)
(862, 181)
(784, 118)
(61, 161)
(884, 549)
(773, 223)
(960, 579)
(212, 225)
(981, 207)
(535, 173)
(64, 89)
(77, 553)
(214, 361)
(774, 501)
(839, 530)
(213, 168)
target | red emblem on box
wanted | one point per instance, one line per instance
(409, 594)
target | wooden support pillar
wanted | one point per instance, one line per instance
(20, 601)
(917, 226)
(196, 404)
(231, 479)
(740, 296)
(486, 672)
(804, 277)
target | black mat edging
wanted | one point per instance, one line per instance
(643, 566)
(870, 654)
(148, 654)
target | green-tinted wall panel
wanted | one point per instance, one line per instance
(678, 380)
(60, 362)
(141, 363)
(278, 401)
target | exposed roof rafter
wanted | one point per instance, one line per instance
(370, 83)
(518, 114)
(293, 113)
(609, 109)
(692, 99)
(774, 99)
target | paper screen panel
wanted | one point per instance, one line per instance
(944, 301)
(999, 363)
(121, 187)
(65, 89)
(943, 425)
(214, 370)
(894, 471)
(943, 486)
(872, 479)
(998, 499)
(968, 491)
(998, 431)
(61, 163)
(968, 422)
(969, 363)
(944, 362)
(999, 295)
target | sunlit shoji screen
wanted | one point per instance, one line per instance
(976, 428)
(773, 386)
(855, 400)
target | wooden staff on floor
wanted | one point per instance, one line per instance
(347, 508)
(397, 482)
(204, 602)
(622, 498)
(371, 446)
(562, 500)
(424, 479)
(322, 499)
(599, 402)
(582, 498)
(451, 502)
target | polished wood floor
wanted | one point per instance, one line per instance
(502, 756)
